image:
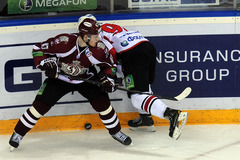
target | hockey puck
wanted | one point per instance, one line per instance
(88, 126)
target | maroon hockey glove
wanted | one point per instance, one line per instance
(107, 85)
(50, 67)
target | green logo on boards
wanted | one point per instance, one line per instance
(38, 6)
(25, 5)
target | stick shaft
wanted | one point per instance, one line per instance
(182, 95)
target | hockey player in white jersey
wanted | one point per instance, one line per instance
(138, 58)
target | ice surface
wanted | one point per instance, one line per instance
(198, 142)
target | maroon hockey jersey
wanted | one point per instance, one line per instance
(73, 60)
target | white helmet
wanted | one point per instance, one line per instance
(82, 18)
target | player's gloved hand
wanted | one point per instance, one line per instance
(50, 67)
(107, 84)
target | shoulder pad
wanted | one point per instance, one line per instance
(101, 45)
(64, 38)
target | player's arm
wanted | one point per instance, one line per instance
(39, 51)
(107, 68)
(106, 63)
(45, 54)
(53, 47)
(44, 61)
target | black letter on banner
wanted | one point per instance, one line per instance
(9, 76)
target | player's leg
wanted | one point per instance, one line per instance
(156, 107)
(47, 96)
(139, 74)
(101, 103)
(111, 122)
(138, 67)
(174, 116)
(143, 123)
(145, 119)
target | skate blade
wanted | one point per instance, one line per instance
(11, 148)
(131, 145)
(143, 128)
(178, 130)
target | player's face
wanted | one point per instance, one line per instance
(93, 40)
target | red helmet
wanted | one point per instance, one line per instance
(88, 26)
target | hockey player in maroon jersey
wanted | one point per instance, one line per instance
(138, 58)
(74, 55)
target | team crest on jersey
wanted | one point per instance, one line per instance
(124, 43)
(73, 69)
(88, 53)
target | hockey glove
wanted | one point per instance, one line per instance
(49, 66)
(107, 84)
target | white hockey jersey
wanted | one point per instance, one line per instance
(119, 38)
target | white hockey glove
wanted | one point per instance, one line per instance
(107, 84)
(50, 67)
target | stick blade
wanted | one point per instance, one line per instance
(184, 94)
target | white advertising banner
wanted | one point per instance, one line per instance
(168, 3)
(20, 81)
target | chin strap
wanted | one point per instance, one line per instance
(88, 37)
(88, 41)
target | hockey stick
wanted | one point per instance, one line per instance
(179, 97)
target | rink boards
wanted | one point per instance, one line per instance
(197, 49)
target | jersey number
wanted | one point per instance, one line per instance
(112, 28)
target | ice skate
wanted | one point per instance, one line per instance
(174, 117)
(122, 138)
(14, 141)
(142, 123)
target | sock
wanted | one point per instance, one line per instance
(149, 104)
(110, 120)
(27, 121)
